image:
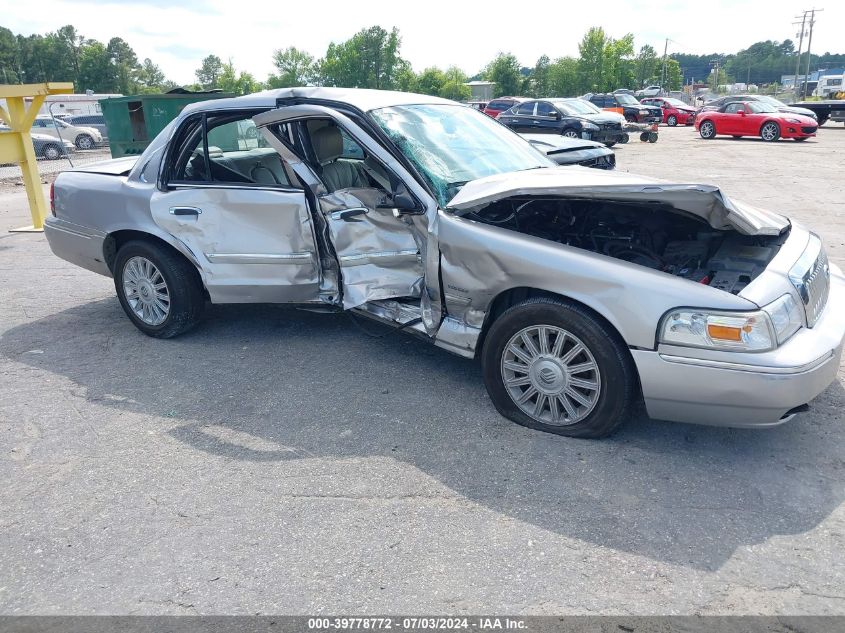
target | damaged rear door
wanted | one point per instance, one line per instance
(369, 219)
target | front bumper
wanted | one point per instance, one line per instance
(722, 393)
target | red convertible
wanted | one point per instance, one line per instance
(754, 118)
(675, 111)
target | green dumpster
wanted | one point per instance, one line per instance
(133, 122)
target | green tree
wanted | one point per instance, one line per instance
(619, 67)
(96, 71)
(294, 67)
(126, 65)
(208, 74)
(455, 87)
(430, 81)
(541, 77)
(239, 83)
(563, 77)
(150, 76)
(674, 78)
(645, 65)
(9, 57)
(504, 70)
(73, 43)
(369, 59)
(591, 63)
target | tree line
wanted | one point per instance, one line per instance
(372, 58)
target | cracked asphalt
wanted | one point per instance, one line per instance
(282, 462)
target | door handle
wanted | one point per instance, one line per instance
(349, 215)
(185, 211)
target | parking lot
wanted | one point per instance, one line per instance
(280, 461)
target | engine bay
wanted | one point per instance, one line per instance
(654, 235)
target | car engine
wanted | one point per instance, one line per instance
(653, 235)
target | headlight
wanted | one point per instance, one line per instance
(735, 331)
(589, 126)
(643, 112)
(787, 317)
(758, 331)
(793, 121)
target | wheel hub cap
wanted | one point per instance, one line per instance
(146, 291)
(551, 375)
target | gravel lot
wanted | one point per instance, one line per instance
(278, 461)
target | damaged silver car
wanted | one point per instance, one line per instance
(582, 292)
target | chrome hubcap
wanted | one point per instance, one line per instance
(551, 375)
(570, 134)
(707, 128)
(146, 291)
(769, 132)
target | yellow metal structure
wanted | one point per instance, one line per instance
(16, 145)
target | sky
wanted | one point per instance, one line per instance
(177, 34)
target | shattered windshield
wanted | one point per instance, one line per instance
(451, 145)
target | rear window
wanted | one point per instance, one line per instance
(499, 105)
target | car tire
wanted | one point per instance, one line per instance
(652, 137)
(623, 139)
(158, 288)
(84, 141)
(671, 120)
(570, 133)
(770, 131)
(607, 383)
(707, 130)
(823, 119)
(51, 152)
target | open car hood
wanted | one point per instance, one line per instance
(705, 201)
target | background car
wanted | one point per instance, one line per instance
(82, 137)
(573, 118)
(96, 121)
(47, 146)
(780, 106)
(754, 118)
(651, 91)
(627, 106)
(571, 151)
(497, 106)
(675, 111)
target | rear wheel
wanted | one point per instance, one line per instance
(770, 132)
(553, 366)
(707, 130)
(158, 289)
(671, 120)
(51, 152)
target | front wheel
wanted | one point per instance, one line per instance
(158, 289)
(553, 366)
(770, 132)
(570, 133)
(671, 120)
(84, 141)
(707, 130)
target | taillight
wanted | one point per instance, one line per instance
(52, 199)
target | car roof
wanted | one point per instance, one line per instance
(361, 98)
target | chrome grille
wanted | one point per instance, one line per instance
(811, 277)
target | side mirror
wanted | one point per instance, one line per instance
(555, 116)
(741, 112)
(400, 199)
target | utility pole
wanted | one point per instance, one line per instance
(663, 72)
(798, 59)
(714, 64)
(809, 46)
